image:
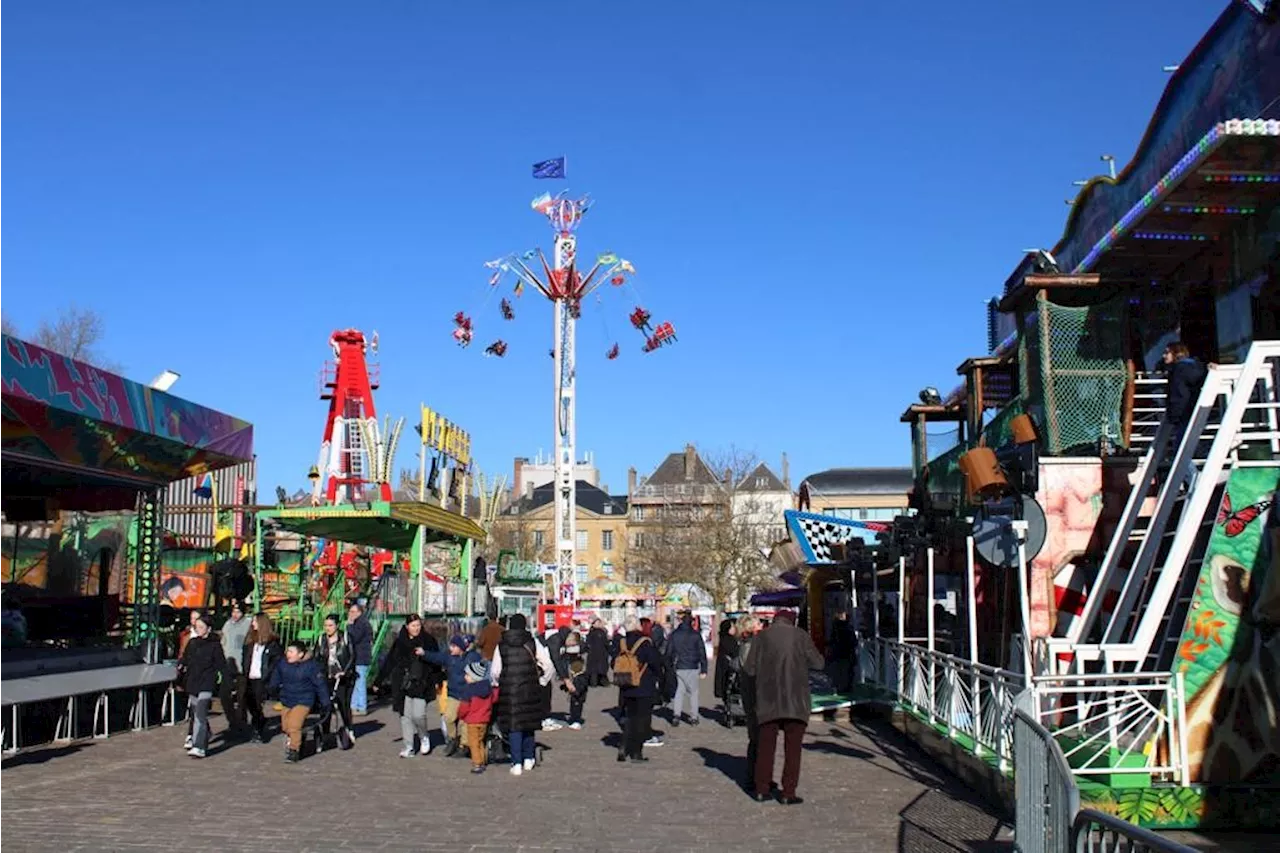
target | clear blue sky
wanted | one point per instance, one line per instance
(820, 196)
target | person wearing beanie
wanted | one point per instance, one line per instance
(522, 669)
(475, 710)
(454, 661)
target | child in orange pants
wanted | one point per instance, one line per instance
(476, 711)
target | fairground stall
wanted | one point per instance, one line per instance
(78, 442)
(404, 540)
(1116, 565)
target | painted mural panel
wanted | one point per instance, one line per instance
(1081, 502)
(1229, 650)
(58, 408)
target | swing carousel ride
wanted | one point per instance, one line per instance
(566, 287)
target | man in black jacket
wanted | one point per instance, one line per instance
(1185, 374)
(360, 634)
(687, 655)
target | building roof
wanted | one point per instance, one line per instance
(761, 479)
(588, 497)
(861, 481)
(672, 471)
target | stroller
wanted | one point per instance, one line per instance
(735, 713)
(498, 745)
(319, 732)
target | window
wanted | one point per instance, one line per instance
(580, 572)
(537, 538)
(606, 569)
(637, 541)
(584, 540)
(606, 540)
(608, 509)
(761, 482)
(638, 513)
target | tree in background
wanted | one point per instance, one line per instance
(76, 333)
(708, 535)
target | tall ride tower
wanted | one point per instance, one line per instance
(347, 465)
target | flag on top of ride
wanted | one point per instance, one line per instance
(549, 168)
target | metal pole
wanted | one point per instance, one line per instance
(875, 602)
(902, 599)
(1024, 594)
(975, 683)
(929, 597)
(972, 598)
(933, 670)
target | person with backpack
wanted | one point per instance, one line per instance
(635, 671)
(413, 683)
(522, 670)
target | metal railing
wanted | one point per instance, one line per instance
(1098, 832)
(971, 702)
(1130, 719)
(1121, 723)
(1047, 799)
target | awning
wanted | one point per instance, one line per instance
(391, 526)
(793, 597)
(86, 439)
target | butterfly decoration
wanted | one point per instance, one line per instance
(1234, 523)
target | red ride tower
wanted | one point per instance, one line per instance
(348, 384)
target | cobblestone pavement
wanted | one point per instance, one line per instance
(865, 789)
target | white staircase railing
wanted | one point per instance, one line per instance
(1168, 551)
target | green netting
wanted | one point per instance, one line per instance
(945, 477)
(1079, 377)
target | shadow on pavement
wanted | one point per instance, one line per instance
(837, 749)
(732, 766)
(936, 821)
(42, 754)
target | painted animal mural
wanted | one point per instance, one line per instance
(1229, 651)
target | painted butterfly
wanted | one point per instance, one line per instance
(1234, 523)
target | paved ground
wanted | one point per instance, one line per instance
(865, 789)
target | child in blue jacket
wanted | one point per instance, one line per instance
(300, 688)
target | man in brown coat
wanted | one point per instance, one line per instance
(779, 662)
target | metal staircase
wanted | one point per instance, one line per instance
(1236, 408)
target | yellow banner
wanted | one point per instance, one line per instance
(441, 434)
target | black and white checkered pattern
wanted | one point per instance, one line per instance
(822, 533)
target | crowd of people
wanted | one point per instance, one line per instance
(494, 691)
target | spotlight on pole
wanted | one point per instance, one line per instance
(1044, 262)
(1169, 69)
(1110, 160)
(930, 397)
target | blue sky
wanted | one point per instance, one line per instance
(819, 195)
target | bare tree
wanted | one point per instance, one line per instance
(514, 530)
(708, 535)
(76, 333)
(8, 326)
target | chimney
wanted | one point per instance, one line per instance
(728, 477)
(786, 472)
(690, 460)
(631, 483)
(517, 485)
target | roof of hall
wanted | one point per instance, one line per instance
(861, 481)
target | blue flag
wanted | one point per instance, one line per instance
(549, 168)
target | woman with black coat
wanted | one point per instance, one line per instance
(522, 669)
(202, 662)
(726, 651)
(413, 684)
(259, 656)
(637, 701)
(597, 655)
(336, 658)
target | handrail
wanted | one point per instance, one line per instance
(1114, 834)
